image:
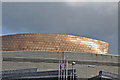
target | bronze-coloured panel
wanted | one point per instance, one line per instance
(52, 42)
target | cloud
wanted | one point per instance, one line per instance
(93, 20)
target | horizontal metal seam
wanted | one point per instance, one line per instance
(56, 61)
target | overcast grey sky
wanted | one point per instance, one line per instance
(93, 20)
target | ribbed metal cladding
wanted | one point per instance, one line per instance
(52, 42)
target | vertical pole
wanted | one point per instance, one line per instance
(70, 76)
(66, 73)
(73, 63)
(59, 72)
(67, 68)
(73, 73)
(62, 62)
(64, 67)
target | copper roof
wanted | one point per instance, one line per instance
(52, 42)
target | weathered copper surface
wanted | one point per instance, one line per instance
(52, 42)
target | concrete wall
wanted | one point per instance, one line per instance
(46, 60)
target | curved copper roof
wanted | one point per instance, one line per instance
(52, 42)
